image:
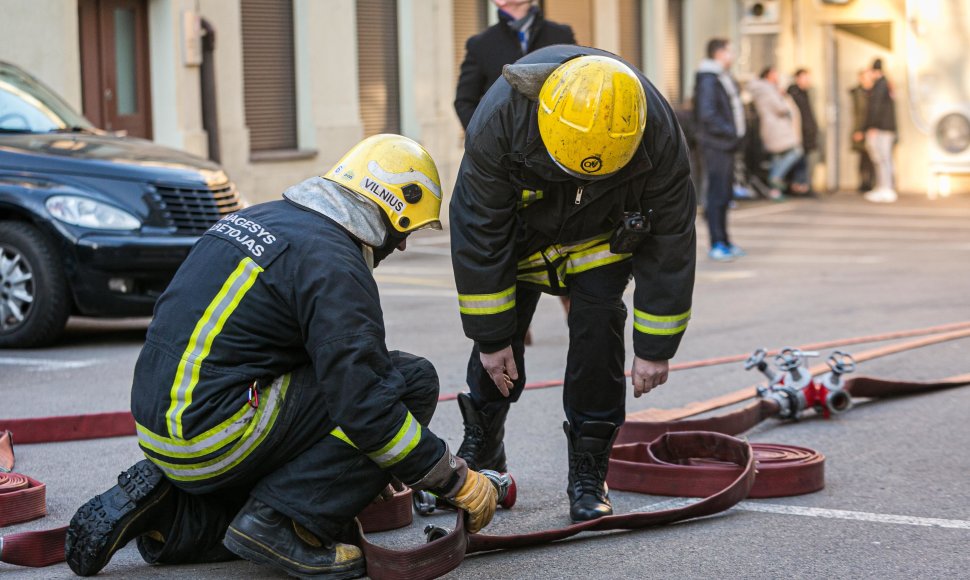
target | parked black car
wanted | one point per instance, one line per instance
(90, 223)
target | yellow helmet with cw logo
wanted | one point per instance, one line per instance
(398, 175)
(592, 114)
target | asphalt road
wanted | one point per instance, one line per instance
(816, 270)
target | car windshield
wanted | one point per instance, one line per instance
(26, 106)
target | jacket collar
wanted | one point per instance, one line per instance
(709, 65)
(360, 217)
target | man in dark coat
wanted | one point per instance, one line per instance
(520, 30)
(576, 177)
(860, 104)
(719, 129)
(799, 93)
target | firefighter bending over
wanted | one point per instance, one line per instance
(268, 406)
(575, 176)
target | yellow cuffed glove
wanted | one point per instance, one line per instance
(477, 497)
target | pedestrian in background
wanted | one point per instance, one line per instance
(860, 105)
(719, 125)
(779, 132)
(880, 128)
(520, 30)
(798, 91)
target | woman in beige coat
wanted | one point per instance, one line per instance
(780, 132)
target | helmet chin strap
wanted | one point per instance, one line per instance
(368, 253)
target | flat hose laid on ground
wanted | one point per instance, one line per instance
(661, 452)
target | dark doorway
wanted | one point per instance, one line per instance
(114, 65)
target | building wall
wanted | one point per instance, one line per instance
(806, 44)
(41, 37)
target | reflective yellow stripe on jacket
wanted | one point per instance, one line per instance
(487, 303)
(567, 260)
(247, 428)
(660, 325)
(200, 343)
(395, 450)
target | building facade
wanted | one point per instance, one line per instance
(277, 90)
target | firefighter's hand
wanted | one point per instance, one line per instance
(477, 497)
(647, 374)
(501, 367)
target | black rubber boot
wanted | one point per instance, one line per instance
(483, 446)
(589, 460)
(263, 535)
(142, 503)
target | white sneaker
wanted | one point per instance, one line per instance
(881, 196)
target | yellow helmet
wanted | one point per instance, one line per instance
(398, 175)
(592, 113)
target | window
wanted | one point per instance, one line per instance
(269, 78)
(468, 19)
(377, 59)
(673, 55)
(576, 13)
(631, 38)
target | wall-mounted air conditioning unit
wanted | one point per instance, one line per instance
(949, 146)
(758, 13)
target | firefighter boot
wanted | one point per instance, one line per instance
(483, 447)
(589, 457)
(142, 503)
(263, 535)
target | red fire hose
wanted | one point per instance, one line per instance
(657, 452)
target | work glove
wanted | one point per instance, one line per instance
(477, 496)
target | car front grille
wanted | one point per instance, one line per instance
(192, 211)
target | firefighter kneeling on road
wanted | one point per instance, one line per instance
(267, 404)
(575, 176)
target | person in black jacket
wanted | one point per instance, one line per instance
(719, 129)
(576, 176)
(520, 30)
(267, 404)
(799, 93)
(860, 102)
(880, 130)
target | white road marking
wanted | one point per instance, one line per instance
(872, 222)
(430, 250)
(796, 510)
(743, 214)
(824, 232)
(814, 259)
(421, 281)
(46, 364)
(423, 293)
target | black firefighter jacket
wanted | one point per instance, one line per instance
(505, 164)
(486, 53)
(267, 290)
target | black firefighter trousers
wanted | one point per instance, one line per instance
(594, 388)
(300, 470)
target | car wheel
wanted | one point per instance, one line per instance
(34, 298)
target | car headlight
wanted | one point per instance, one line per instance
(953, 133)
(87, 213)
